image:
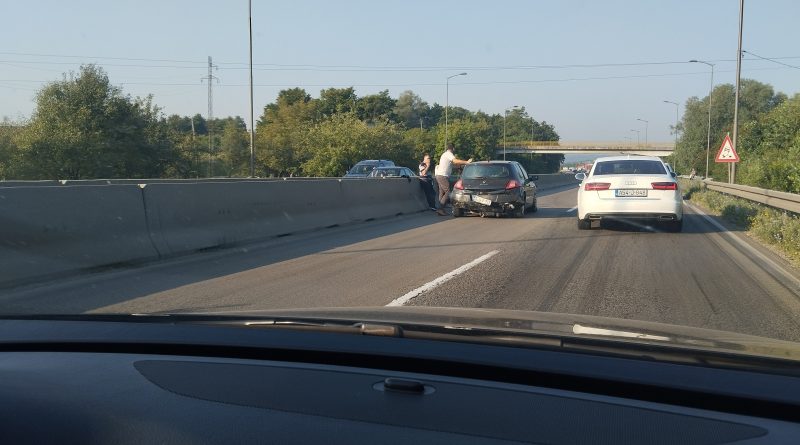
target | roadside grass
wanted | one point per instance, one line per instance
(776, 228)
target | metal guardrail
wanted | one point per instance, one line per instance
(779, 200)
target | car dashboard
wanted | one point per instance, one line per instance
(117, 383)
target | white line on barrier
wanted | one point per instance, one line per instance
(441, 280)
(775, 266)
(572, 209)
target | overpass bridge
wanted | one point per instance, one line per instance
(588, 147)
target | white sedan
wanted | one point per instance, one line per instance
(630, 188)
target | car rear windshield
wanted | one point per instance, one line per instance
(629, 167)
(486, 171)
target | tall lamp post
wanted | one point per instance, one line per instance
(638, 141)
(732, 165)
(505, 115)
(447, 104)
(677, 107)
(710, 91)
(646, 124)
(252, 129)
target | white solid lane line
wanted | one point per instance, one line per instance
(443, 279)
(747, 247)
(572, 209)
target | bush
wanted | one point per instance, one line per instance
(776, 228)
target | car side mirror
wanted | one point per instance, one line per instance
(533, 177)
(580, 176)
(673, 174)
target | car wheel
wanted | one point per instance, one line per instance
(584, 224)
(674, 226)
(457, 212)
(519, 212)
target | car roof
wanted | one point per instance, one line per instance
(389, 167)
(373, 161)
(628, 157)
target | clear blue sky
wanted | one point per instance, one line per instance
(422, 42)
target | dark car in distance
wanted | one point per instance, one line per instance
(494, 188)
(391, 172)
(363, 168)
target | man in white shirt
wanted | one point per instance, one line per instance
(443, 170)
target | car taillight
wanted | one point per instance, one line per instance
(597, 186)
(512, 184)
(458, 185)
(665, 186)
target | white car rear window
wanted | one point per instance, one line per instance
(630, 167)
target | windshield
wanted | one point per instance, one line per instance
(386, 172)
(362, 169)
(164, 157)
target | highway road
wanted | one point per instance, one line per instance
(707, 276)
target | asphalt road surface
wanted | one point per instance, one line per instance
(707, 276)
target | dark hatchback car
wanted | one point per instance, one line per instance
(494, 188)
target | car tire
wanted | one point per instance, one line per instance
(520, 211)
(675, 226)
(457, 212)
(584, 224)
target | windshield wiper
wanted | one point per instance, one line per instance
(376, 329)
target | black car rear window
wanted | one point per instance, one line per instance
(629, 167)
(486, 171)
(362, 169)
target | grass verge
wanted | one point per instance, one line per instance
(776, 228)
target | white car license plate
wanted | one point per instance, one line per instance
(484, 201)
(626, 193)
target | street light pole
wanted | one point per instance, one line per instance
(677, 107)
(252, 129)
(646, 124)
(447, 104)
(710, 95)
(638, 141)
(732, 178)
(505, 115)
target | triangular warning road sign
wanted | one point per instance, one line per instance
(726, 152)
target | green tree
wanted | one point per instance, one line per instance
(336, 100)
(83, 127)
(333, 145)
(771, 149)
(235, 149)
(432, 116)
(419, 142)
(280, 131)
(410, 109)
(756, 98)
(472, 138)
(9, 151)
(375, 107)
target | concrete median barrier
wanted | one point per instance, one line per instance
(62, 229)
(189, 217)
(52, 231)
(367, 199)
(29, 183)
(549, 181)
